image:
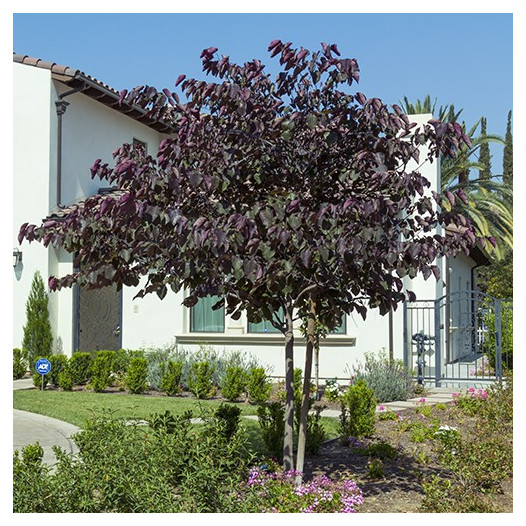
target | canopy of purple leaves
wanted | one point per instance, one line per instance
(269, 191)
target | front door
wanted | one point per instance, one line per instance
(100, 314)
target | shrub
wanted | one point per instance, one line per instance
(136, 375)
(38, 338)
(271, 421)
(228, 416)
(259, 386)
(277, 492)
(358, 411)
(101, 368)
(19, 364)
(390, 381)
(381, 450)
(39, 380)
(316, 433)
(234, 383)
(80, 367)
(171, 378)
(200, 381)
(375, 468)
(332, 390)
(58, 363)
(65, 379)
(123, 468)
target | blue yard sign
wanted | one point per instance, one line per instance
(43, 366)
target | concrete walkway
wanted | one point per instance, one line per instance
(29, 428)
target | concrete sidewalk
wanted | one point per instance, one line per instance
(29, 428)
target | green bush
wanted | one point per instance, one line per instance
(101, 368)
(228, 416)
(234, 383)
(200, 381)
(130, 469)
(19, 364)
(390, 381)
(271, 421)
(136, 375)
(259, 386)
(316, 434)
(171, 378)
(381, 450)
(58, 363)
(358, 411)
(65, 379)
(80, 367)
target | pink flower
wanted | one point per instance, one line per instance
(382, 408)
(422, 400)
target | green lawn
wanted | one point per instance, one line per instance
(75, 407)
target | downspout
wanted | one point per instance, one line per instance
(61, 106)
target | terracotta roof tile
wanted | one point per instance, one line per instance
(98, 90)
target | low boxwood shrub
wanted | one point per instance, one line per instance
(58, 363)
(136, 375)
(101, 368)
(19, 364)
(200, 381)
(80, 367)
(259, 386)
(234, 383)
(65, 379)
(358, 411)
(271, 421)
(171, 378)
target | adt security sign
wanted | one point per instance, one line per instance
(43, 366)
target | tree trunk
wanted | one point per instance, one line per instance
(302, 434)
(288, 441)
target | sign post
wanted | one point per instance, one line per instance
(43, 367)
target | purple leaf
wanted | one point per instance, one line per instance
(180, 79)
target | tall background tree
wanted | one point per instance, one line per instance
(484, 153)
(507, 161)
(285, 195)
(38, 338)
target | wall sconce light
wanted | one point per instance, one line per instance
(17, 257)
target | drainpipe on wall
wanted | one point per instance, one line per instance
(61, 106)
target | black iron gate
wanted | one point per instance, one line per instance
(460, 338)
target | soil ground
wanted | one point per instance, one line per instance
(400, 489)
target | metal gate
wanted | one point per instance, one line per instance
(463, 338)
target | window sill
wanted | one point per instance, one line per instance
(334, 340)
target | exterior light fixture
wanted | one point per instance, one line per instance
(17, 257)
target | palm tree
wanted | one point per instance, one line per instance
(489, 199)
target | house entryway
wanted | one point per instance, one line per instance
(99, 319)
(462, 339)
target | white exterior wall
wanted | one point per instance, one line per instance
(90, 131)
(31, 167)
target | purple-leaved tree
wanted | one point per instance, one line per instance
(284, 194)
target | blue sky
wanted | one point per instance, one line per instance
(464, 59)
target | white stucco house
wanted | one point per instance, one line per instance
(63, 121)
